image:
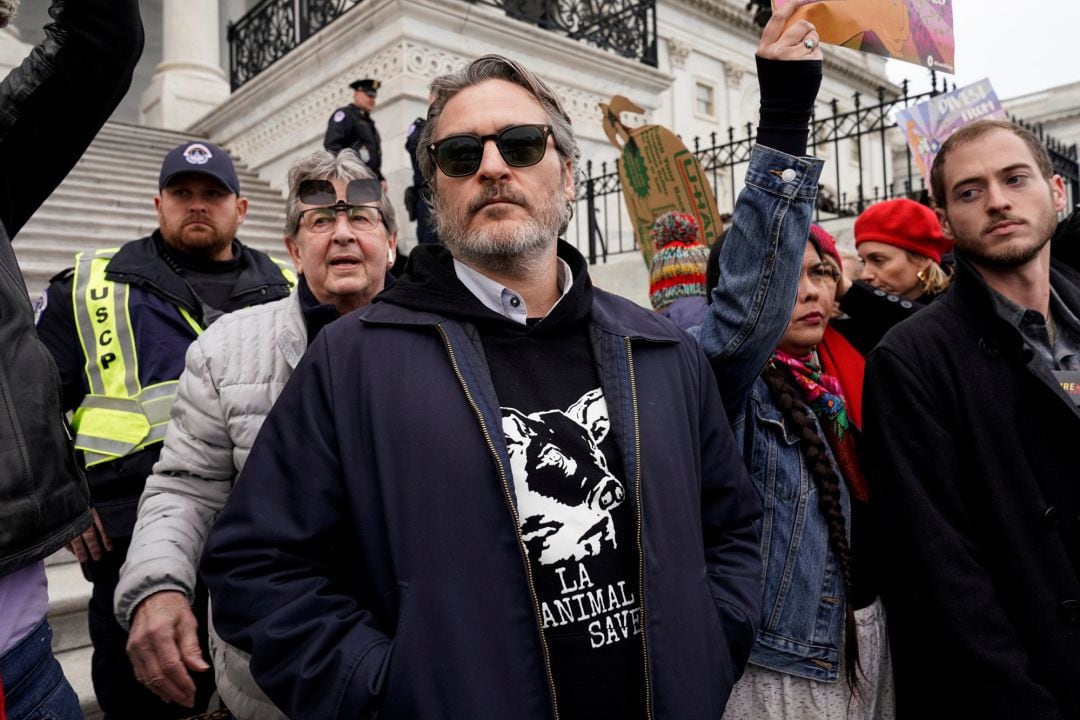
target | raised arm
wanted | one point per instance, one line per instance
(762, 255)
(61, 95)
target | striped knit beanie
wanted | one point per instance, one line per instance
(678, 263)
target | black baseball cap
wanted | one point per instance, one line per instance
(368, 85)
(202, 158)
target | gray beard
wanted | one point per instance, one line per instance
(8, 10)
(516, 251)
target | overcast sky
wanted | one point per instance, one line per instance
(1021, 45)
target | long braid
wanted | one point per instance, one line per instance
(816, 457)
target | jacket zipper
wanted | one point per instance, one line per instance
(513, 512)
(640, 545)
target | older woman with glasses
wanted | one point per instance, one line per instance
(341, 233)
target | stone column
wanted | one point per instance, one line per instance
(189, 82)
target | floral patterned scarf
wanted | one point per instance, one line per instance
(823, 395)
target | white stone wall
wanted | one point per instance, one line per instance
(405, 43)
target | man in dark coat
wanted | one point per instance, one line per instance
(576, 535)
(972, 420)
(351, 126)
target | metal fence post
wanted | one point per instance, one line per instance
(590, 209)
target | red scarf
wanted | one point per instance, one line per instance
(840, 359)
(823, 394)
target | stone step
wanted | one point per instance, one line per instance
(116, 221)
(117, 190)
(69, 593)
(144, 133)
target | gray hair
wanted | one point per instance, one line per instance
(8, 10)
(323, 165)
(497, 67)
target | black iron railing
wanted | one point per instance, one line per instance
(272, 28)
(626, 27)
(601, 227)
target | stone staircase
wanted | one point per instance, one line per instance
(108, 199)
(105, 201)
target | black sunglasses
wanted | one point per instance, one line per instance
(519, 145)
(322, 192)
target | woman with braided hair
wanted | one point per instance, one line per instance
(822, 650)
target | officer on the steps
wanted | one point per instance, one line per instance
(118, 325)
(351, 126)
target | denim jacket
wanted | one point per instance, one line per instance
(760, 265)
(803, 586)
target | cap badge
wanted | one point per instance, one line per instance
(197, 154)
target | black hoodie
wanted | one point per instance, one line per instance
(574, 514)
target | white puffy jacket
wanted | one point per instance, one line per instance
(233, 374)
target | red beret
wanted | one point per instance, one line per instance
(905, 224)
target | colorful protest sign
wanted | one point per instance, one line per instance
(929, 124)
(658, 175)
(916, 31)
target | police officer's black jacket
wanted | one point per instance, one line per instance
(351, 127)
(85, 62)
(161, 338)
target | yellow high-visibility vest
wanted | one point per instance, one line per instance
(118, 416)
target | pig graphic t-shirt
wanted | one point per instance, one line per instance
(576, 514)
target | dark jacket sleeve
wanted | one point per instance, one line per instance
(277, 561)
(870, 314)
(952, 640)
(730, 512)
(56, 329)
(53, 105)
(338, 134)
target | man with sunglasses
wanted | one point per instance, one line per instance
(514, 495)
(341, 234)
(118, 325)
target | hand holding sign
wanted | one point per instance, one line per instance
(916, 31)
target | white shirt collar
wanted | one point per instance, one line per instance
(501, 299)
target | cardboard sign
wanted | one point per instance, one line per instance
(658, 175)
(929, 124)
(916, 31)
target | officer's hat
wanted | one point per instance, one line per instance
(368, 85)
(202, 158)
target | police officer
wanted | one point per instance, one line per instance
(352, 127)
(118, 325)
(418, 194)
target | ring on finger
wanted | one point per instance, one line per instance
(809, 44)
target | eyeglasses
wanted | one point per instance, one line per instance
(823, 275)
(322, 192)
(519, 145)
(361, 217)
(321, 220)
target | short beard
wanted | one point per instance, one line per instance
(8, 10)
(510, 252)
(1011, 256)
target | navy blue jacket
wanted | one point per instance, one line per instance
(369, 556)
